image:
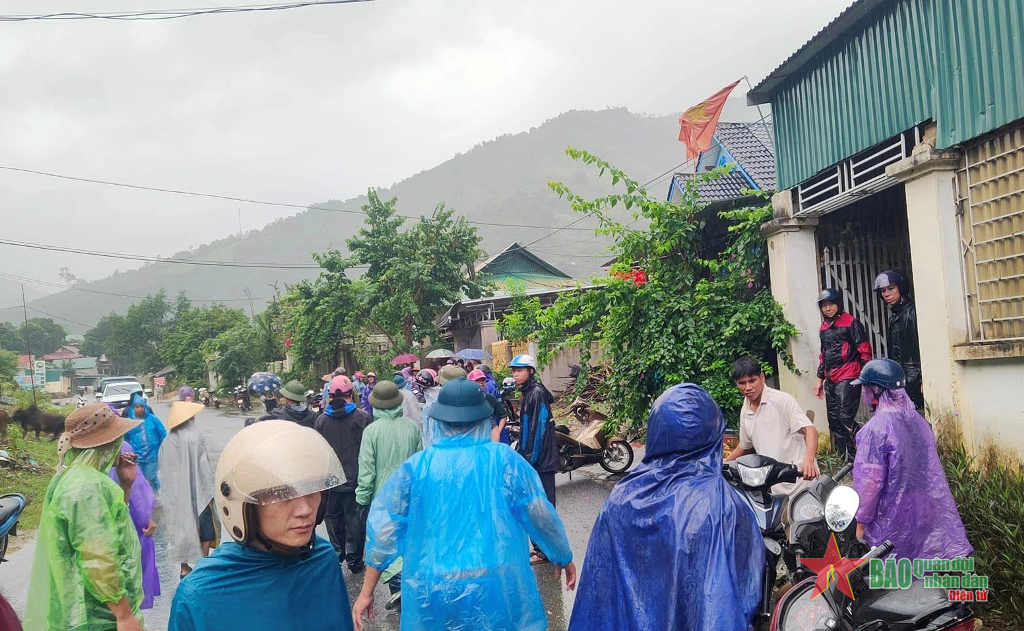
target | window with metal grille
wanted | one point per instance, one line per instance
(991, 207)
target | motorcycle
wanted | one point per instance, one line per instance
(590, 444)
(11, 507)
(753, 476)
(242, 400)
(208, 399)
(314, 401)
(81, 402)
(915, 609)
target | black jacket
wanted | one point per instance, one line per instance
(537, 443)
(306, 418)
(904, 348)
(343, 430)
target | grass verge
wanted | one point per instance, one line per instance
(33, 463)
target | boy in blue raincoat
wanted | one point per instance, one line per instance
(461, 514)
(674, 546)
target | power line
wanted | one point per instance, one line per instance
(245, 200)
(35, 281)
(173, 14)
(153, 259)
(88, 326)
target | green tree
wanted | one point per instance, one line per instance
(134, 343)
(233, 354)
(672, 309)
(9, 338)
(8, 368)
(524, 318)
(318, 314)
(44, 335)
(414, 274)
(182, 346)
(98, 335)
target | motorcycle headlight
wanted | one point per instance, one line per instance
(806, 508)
(754, 476)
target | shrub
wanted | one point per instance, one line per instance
(989, 491)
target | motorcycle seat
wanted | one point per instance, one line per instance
(896, 606)
(10, 506)
(563, 429)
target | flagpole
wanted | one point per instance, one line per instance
(760, 114)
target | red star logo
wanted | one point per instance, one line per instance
(831, 564)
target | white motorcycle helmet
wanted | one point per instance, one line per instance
(270, 462)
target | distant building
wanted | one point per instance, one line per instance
(749, 149)
(62, 353)
(471, 323)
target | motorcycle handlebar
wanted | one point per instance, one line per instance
(883, 549)
(842, 473)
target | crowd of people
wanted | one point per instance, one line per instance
(420, 489)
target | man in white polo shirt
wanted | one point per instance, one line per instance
(772, 424)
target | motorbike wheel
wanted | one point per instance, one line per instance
(3, 548)
(617, 456)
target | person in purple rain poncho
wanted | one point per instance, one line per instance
(140, 506)
(904, 495)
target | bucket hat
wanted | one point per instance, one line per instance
(293, 391)
(400, 381)
(450, 373)
(461, 402)
(93, 425)
(182, 411)
(386, 396)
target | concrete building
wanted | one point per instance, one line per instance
(899, 136)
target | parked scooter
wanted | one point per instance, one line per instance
(591, 444)
(208, 399)
(11, 507)
(242, 400)
(754, 475)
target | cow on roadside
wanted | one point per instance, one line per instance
(32, 418)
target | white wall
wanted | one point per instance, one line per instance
(993, 400)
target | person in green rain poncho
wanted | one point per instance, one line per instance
(87, 572)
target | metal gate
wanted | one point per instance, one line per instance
(857, 244)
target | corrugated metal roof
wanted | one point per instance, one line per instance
(847, 20)
(516, 260)
(884, 67)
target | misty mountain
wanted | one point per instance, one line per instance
(501, 181)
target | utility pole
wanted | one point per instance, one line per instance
(28, 343)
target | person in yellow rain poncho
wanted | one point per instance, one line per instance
(87, 573)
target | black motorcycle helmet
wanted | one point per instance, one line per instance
(831, 295)
(884, 373)
(893, 277)
(425, 379)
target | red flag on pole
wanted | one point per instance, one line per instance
(697, 124)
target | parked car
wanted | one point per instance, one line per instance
(104, 382)
(119, 393)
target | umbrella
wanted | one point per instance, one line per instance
(407, 358)
(263, 382)
(440, 353)
(475, 354)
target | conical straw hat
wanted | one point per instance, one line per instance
(182, 411)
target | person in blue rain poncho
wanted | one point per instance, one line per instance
(146, 438)
(674, 547)
(461, 514)
(272, 479)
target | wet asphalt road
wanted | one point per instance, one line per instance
(579, 500)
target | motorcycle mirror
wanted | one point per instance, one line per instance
(841, 507)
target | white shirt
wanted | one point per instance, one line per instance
(774, 430)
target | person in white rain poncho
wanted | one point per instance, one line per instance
(187, 491)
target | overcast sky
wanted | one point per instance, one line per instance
(318, 103)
